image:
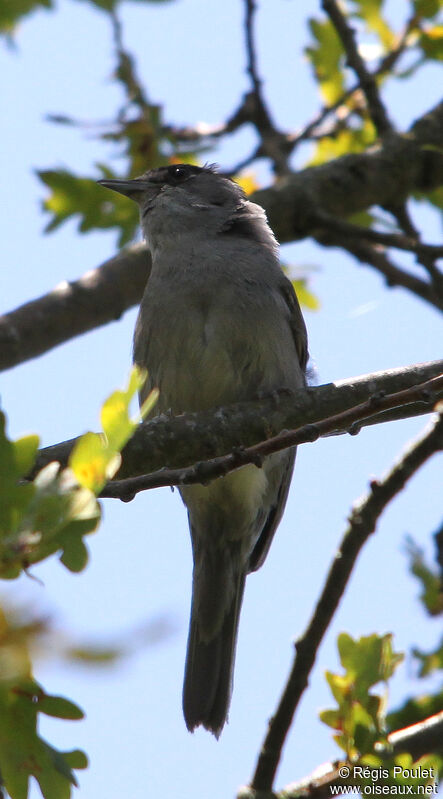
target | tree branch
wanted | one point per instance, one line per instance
(100, 296)
(375, 255)
(349, 421)
(419, 739)
(274, 144)
(182, 441)
(404, 164)
(362, 522)
(367, 81)
(397, 240)
(386, 65)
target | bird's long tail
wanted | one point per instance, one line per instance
(210, 657)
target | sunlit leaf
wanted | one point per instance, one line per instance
(327, 58)
(72, 196)
(370, 12)
(350, 140)
(431, 42)
(305, 297)
(25, 451)
(92, 462)
(248, 182)
(360, 717)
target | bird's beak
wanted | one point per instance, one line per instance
(130, 188)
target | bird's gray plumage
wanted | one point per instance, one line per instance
(218, 323)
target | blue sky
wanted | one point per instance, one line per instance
(191, 58)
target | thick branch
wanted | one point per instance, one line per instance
(362, 522)
(184, 440)
(350, 421)
(403, 164)
(100, 296)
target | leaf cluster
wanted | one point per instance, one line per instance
(50, 515)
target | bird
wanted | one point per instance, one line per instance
(219, 323)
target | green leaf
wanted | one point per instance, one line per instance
(327, 58)
(40, 515)
(96, 458)
(370, 12)
(305, 297)
(332, 718)
(76, 759)
(431, 595)
(92, 462)
(23, 754)
(427, 8)
(72, 196)
(368, 660)
(435, 197)
(25, 452)
(351, 140)
(414, 710)
(360, 718)
(431, 42)
(59, 707)
(363, 218)
(94, 655)
(75, 553)
(340, 685)
(430, 661)
(109, 5)
(12, 11)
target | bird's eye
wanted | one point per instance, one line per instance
(178, 172)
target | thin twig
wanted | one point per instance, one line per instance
(397, 240)
(376, 256)
(362, 524)
(274, 144)
(126, 72)
(346, 421)
(386, 65)
(427, 260)
(250, 46)
(366, 79)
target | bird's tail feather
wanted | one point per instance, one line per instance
(209, 667)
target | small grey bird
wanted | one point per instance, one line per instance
(219, 323)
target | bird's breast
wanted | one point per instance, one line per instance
(212, 346)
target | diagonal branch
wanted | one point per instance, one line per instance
(386, 65)
(350, 421)
(368, 253)
(101, 296)
(402, 165)
(367, 81)
(397, 240)
(362, 523)
(187, 439)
